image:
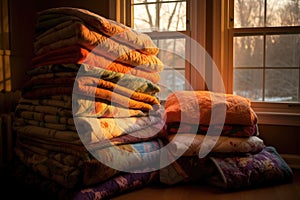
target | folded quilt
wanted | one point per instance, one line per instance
(142, 135)
(78, 147)
(36, 83)
(93, 130)
(125, 97)
(190, 144)
(77, 55)
(251, 170)
(66, 136)
(53, 145)
(64, 108)
(122, 183)
(83, 173)
(19, 121)
(42, 117)
(135, 83)
(95, 166)
(231, 130)
(76, 33)
(83, 82)
(83, 106)
(61, 74)
(121, 33)
(57, 101)
(130, 157)
(66, 175)
(126, 157)
(197, 107)
(45, 92)
(107, 80)
(45, 106)
(98, 93)
(55, 68)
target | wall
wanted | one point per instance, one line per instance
(22, 21)
(285, 138)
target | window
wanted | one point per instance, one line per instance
(266, 49)
(5, 73)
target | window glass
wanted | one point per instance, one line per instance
(283, 51)
(159, 15)
(172, 16)
(248, 13)
(283, 13)
(249, 83)
(145, 17)
(248, 51)
(282, 85)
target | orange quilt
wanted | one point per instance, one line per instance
(196, 107)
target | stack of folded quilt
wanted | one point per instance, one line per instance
(89, 124)
(90, 97)
(213, 138)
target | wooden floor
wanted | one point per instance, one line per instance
(290, 191)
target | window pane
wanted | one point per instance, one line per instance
(248, 13)
(171, 80)
(145, 17)
(171, 0)
(282, 85)
(172, 54)
(283, 51)
(172, 16)
(283, 13)
(248, 51)
(248, 83)
(143, 1)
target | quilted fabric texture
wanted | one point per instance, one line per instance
(196, 107)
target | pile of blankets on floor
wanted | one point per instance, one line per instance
(91, 96)
(90, 125)
(214, 139)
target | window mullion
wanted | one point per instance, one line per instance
(198, 35)
(157, 14)
(264, 68)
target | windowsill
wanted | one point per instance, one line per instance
(285, 114)
(278, 118)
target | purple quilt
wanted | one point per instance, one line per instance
(251, 170)
(117, 185)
